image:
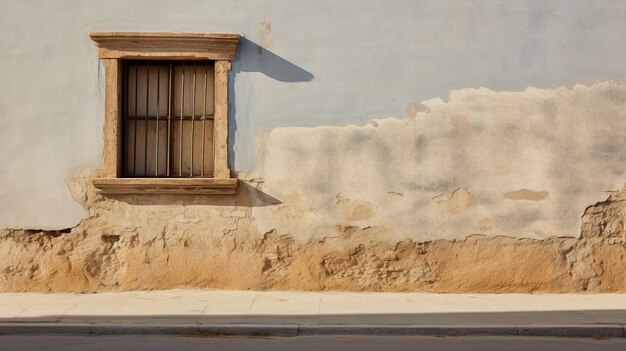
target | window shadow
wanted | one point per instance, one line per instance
(251, 57)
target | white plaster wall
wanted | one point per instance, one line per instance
(323, 63)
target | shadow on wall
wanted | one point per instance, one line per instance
(252, 57)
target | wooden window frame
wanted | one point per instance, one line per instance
(113, 47)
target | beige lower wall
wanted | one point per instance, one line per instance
(160, 243)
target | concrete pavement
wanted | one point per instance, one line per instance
(306, 313)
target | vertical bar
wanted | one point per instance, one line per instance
(169, 116)
(206, 70)
(125, 117)
(180, 130)
(193, 115)
(145, 139)
(158, 107)
(135, 124)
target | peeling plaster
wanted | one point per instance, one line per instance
(455, 164)
(457, 201)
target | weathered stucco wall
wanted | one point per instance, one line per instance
(317, 63)
(373, 219)
(403, 145)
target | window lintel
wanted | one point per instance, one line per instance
(163, 45)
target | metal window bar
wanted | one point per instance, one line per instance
(158, 107)
(169, 116)
(193, 115)
(181, 126)
(145, 127)
(206, 71)
(135, 125)
(125, 107)
(140, 75)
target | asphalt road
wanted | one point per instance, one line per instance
(302, 343)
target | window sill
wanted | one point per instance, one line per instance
(175, 186)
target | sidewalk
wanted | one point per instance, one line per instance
(301, 313)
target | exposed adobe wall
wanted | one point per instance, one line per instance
(154, 246)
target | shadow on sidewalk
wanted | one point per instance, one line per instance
(569, 317)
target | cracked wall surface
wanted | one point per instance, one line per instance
(489, 192)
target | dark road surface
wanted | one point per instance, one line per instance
(302, 343)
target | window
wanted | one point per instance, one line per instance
(167, 118)
(166, 112)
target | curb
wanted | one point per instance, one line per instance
(574, 330)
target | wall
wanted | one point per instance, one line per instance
(395, 123)
(163, 242)
(322, 63)
(515, 163)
